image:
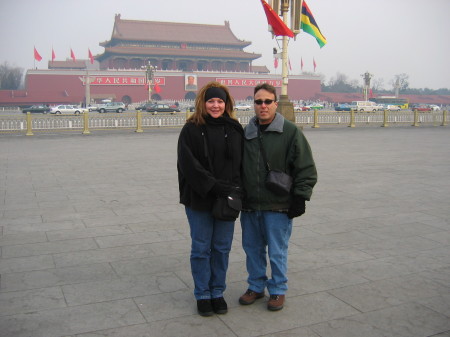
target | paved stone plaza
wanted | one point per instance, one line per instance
(94, 242)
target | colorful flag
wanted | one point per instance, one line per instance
(53, 55)
(157, 88)
(277, 26)
(275, 62)
(91, 57)
(72, 55)
(314, 64)
(37, 56)
(301, 63)
(309, 25)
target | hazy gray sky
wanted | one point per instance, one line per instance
(384, 37)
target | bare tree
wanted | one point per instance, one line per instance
(378, 84)
(400, 81)
(10, 77)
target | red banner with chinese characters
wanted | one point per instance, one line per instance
(121, 80)
(239, 82)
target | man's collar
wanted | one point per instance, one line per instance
(251, 130)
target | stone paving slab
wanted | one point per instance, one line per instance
(93, 241)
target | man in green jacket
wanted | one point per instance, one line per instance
(266, 218)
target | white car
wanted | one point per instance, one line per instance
(67, 109)
(393, 108)
(435, 107)
(298, 107)
(242, 107)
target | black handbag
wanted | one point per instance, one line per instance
(277, 181)
(224, 208)
(227, 208)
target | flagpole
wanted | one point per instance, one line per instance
(285, 106)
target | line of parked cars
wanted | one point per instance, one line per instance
(316, 106)
(154, 108)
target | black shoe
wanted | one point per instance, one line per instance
(204, 307)
(219, 305)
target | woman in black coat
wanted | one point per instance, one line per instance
(209, 166)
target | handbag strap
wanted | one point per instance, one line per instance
(261, 148)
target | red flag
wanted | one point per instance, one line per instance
(37, 57)
(91, 57)
(301, 63)
(275, 62)
(157, 88)
(314, 64)
(72, 55)
(53, 55)
(277, 26)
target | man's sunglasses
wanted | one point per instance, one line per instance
(266, 101)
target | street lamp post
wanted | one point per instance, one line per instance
(87, 82)
(285, 106)
(149, 75)
(366, 76)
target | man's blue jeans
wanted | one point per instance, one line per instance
(210, 249)
(261, 229)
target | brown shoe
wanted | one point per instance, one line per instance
(276, 302)
(250, 297)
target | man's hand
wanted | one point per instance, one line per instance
(297, 207)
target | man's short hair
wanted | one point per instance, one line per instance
(266, 86)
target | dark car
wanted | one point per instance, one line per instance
(144, 106)
(37, 109)
(155, 108)
(342, 107)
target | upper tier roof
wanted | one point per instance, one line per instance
(135, 30)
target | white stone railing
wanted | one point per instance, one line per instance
(129, 120)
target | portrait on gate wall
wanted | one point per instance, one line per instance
(190, 82)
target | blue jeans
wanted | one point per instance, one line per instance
(261, 229)
(210, 249)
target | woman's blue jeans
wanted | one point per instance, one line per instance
(210, 249)
(261, 229)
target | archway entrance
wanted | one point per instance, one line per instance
(190, 95)
(156, 97)
(126, 99)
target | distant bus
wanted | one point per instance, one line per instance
(386, 100)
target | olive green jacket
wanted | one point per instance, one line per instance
(287, 150)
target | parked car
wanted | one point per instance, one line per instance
(242, 107)
(393, 108)
(155, 108)
(435, 107)
(342, 107)
(422, 108)
(298, 107)
(145, 106)
(368, 106)
(66, 109)
(92, 107)
(312, 107)
(36, 109)
(112, 107)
